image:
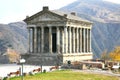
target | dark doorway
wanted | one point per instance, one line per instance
(53, 42)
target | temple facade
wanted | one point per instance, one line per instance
(56, 37)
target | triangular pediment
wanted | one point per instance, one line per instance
(48, 17)
(54, 15)
(45, 16)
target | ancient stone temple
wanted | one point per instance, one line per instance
(56, 37)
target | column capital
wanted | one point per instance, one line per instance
(49, 26)
(31, 26)
(66, 26)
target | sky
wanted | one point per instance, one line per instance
(17, 10)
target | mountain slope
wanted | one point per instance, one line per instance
(97, 9)
(106, 27)
(13, 35)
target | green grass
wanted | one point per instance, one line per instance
(67, 75)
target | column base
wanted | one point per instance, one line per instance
(46, 59)
(77, 57)
(54, 59)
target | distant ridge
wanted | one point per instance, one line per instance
(13, 35)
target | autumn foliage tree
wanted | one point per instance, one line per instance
(13, 55)
(115, 54)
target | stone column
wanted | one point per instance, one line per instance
(31, 36)
(73, 40)
(80, 40)
(69, 38)
(90, 41)
(63, 41)
(42, 39)
(84, 39)
(87, 41)
(39, 39)
(50, 39)
(33, 39)
(58, 40)
(29, 41)
(77, 40)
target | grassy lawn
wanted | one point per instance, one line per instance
(67, 75)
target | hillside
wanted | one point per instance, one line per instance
(106, 27)
(97, 10)
(14, 36)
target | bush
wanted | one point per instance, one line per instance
(31, 73)
(5, 78)
(44, 71)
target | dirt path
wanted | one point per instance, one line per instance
(109, 73)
